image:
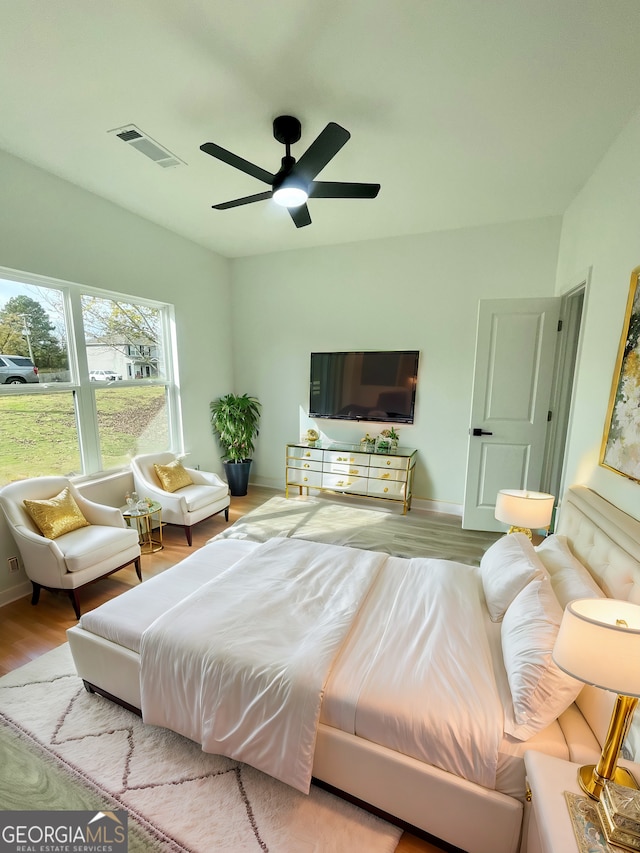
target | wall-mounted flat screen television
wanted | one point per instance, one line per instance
(364, 386)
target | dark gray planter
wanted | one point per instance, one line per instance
(237, 476)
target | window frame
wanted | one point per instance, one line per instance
(80, 385)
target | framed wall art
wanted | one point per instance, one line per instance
(621, 440)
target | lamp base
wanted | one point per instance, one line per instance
(525, 530)
(592, 782)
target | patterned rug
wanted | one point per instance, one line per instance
(418, 534)
(63, 748)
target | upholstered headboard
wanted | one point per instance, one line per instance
(607, 541)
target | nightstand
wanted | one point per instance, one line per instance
(549, 829)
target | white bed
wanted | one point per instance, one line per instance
(374, 738)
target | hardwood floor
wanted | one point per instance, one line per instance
(26, 632)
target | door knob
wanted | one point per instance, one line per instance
(478, 431)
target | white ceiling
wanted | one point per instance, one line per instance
(466, 111)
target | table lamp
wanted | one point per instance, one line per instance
(524, 510)
(599, 643)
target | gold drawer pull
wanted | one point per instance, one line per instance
(354, 471)
(386, 489)
(386, 476)
(340, 483)
(307, 453)
(306, 465)
(352, 459)
(304, 479)
(388, 462)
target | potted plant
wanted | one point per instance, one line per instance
(234, 421)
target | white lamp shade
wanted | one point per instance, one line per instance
(599, 643)
(522, 508)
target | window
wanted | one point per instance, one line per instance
(86, 378)
(39, 436)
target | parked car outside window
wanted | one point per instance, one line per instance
(104, 376)
(16, 370)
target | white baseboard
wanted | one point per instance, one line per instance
(437, 506)
(15, 592)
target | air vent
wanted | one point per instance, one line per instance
(133, 136)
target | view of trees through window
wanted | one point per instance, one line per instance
(101, 391)
(124, 337)
(26, 329)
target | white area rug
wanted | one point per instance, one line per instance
(179, 798)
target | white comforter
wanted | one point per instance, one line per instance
(240, 666)
(416, 672)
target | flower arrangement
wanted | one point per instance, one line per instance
(391, 433)
(368, 442)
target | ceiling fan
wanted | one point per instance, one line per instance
(294, 183)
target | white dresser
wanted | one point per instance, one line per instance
(344, 468)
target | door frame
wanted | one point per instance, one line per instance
(572, 313)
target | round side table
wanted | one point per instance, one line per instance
(150, 538)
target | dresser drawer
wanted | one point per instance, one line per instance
(294, 452)
(391, 489)
(346, 469)
(344, 483)
(302, 477)
(381, 460)
(388, 474)
(344, 456)
(305, 464)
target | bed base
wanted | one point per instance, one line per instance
(414, 830)
(424, 799)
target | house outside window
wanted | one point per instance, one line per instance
(104, 389)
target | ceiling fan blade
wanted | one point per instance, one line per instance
(237, 202)
(300, 215)
(237, 162)
(323, 149)
(335, 189)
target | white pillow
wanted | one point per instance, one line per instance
(540, 690)
(506, 567)
(569, 578)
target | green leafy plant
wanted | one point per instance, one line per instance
(234, 421)
(390, 433)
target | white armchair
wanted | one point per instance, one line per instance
(207, 496)
(73, 559)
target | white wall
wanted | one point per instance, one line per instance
(51, 227)
(600, 230)
(419, 292)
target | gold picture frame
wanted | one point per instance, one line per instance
(620, 451)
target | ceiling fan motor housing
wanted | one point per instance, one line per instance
(287, 129)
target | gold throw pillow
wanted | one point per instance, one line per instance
(173, 476)
(57, 515)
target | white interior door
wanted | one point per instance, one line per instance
(515, 351)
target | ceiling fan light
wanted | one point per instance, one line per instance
(290, 196)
